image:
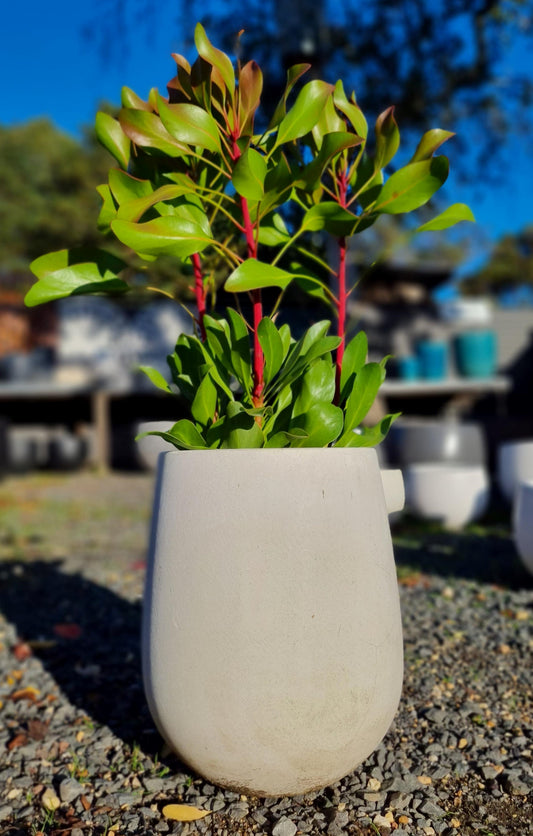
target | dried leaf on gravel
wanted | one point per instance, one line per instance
(184, 812)
(37, 730)
(30, 693)
(50, 800)
(19, 740)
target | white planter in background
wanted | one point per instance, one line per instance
(147, 449)
(515, 465)
(523, 523)
(272, 642)
(451, 494)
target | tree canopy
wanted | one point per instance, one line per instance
(48, 200)
(509, 266)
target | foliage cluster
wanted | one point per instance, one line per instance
(198, 181)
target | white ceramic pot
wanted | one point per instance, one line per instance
(414, 440)
(514, 465)
(451, 494)
(147, 449)
(272, 642)
(523, 523)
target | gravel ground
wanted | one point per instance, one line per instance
(78, 751)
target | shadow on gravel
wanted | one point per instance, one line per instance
(100, 670)
(475, 555)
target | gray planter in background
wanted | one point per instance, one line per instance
(420, 440)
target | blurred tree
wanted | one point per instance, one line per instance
(509, 267)
(48, 201)
(47, 194)
(438, 62)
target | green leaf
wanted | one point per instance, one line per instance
(253, 275)
(184, 435)
(273, 232)
(332, 145)
(363, 394)
(69, 272)
(132, 210)
(249, 175)
(250, 88)
(451, 216)
(353, 360)
(327, 123)
(321, 423)
(331, 217)
(147, 130)
(203, 407)
(412, 186)
(215, 57)
(387, 138)
(132, 100)
(238, 429)
(124, 187)
(73, 281)
(190, 124)
(240, 349)
(351, 110)
(272, 346)
(108, 210)
(318, 384)
(110, 134)
(156, 378)
(305, 112)
(170, 235)
(293, 74)
(429, 143)
(368, 436)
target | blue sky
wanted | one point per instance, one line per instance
(48, 69)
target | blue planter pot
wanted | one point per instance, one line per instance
(432, 359)
(407, 368)
(476, 353)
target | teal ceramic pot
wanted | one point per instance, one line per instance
(432, 358)
(476, 353)
(407, 368)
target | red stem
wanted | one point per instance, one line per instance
(199, 292)
(342, 295)
(257, 300)
(341, 317)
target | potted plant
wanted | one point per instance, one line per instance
(272, 640)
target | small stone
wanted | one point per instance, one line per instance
(424, 779)
(374, 785)
(448, 593)
(522, 615)
(404, 819)
(284, 827)
(238, 811)
(374, 797)
(69, 790)
(455, 823)
(504, 649)
(399, 800)
(429, 808)
(381, 821)
(463, 742)
(5, 812)
(153, 784)
(514, 786)
(491, 771)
